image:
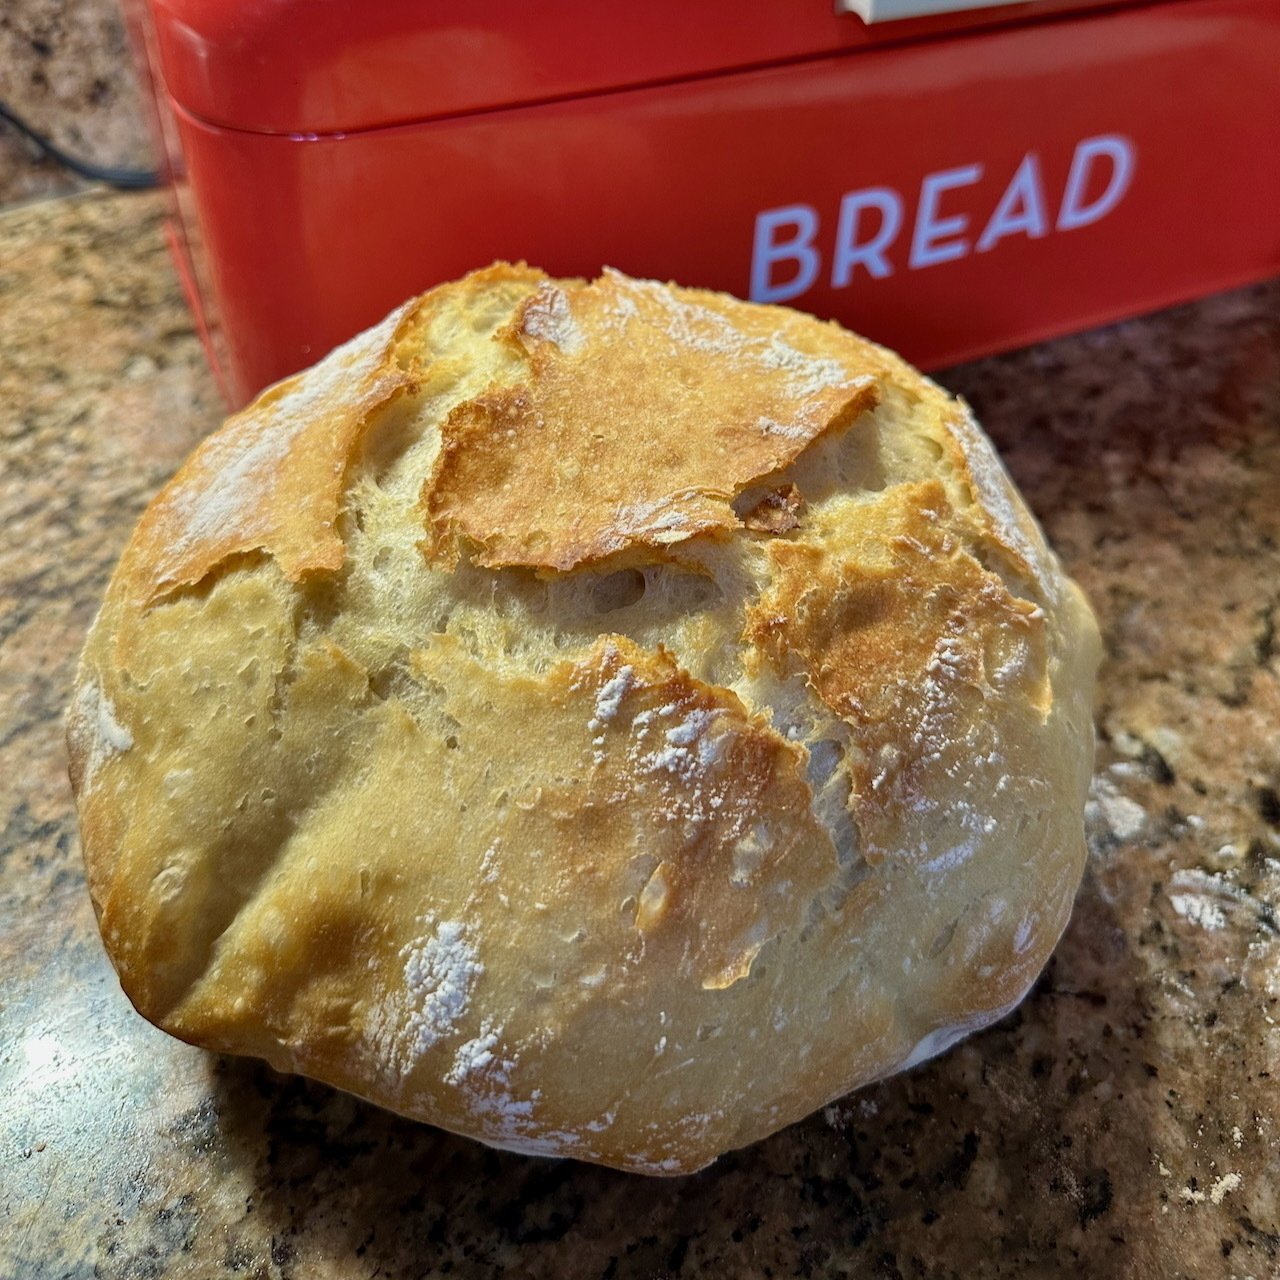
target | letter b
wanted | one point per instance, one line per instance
(799, 249)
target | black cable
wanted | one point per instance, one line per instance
(124, 179)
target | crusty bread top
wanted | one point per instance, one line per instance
(275, 481)
(602, 718)
(523, 472)
(527, 476)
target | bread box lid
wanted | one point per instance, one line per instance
(331, 66)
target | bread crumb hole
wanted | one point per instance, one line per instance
(943, 940)
(618, 590)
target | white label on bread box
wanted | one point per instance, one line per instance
(889, 10)
(870, 225)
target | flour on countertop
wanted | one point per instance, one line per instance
(1124, 816)
(1201, 911)
(1223, 1186)
(1218, 1191)
(1204, 898)
(1110, 814)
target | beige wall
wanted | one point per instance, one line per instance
(66, 67)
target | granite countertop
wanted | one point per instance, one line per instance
(66, 68)
(1121, 1123)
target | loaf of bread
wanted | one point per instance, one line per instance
(603, 719)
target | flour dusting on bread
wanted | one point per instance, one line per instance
(98, 734)
(440, 970)
(273, 482)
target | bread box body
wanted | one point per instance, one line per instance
(949, 185)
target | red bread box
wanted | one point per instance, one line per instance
(950, 185)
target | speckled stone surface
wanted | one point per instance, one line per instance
(66, 68)
(1121, 1123)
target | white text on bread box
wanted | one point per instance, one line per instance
(870, 226)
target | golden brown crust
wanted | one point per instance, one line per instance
(627, 839)
(273, 478)
(668, 764)
(588, 456)
(905, 636)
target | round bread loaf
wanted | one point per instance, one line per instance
(602, 719)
